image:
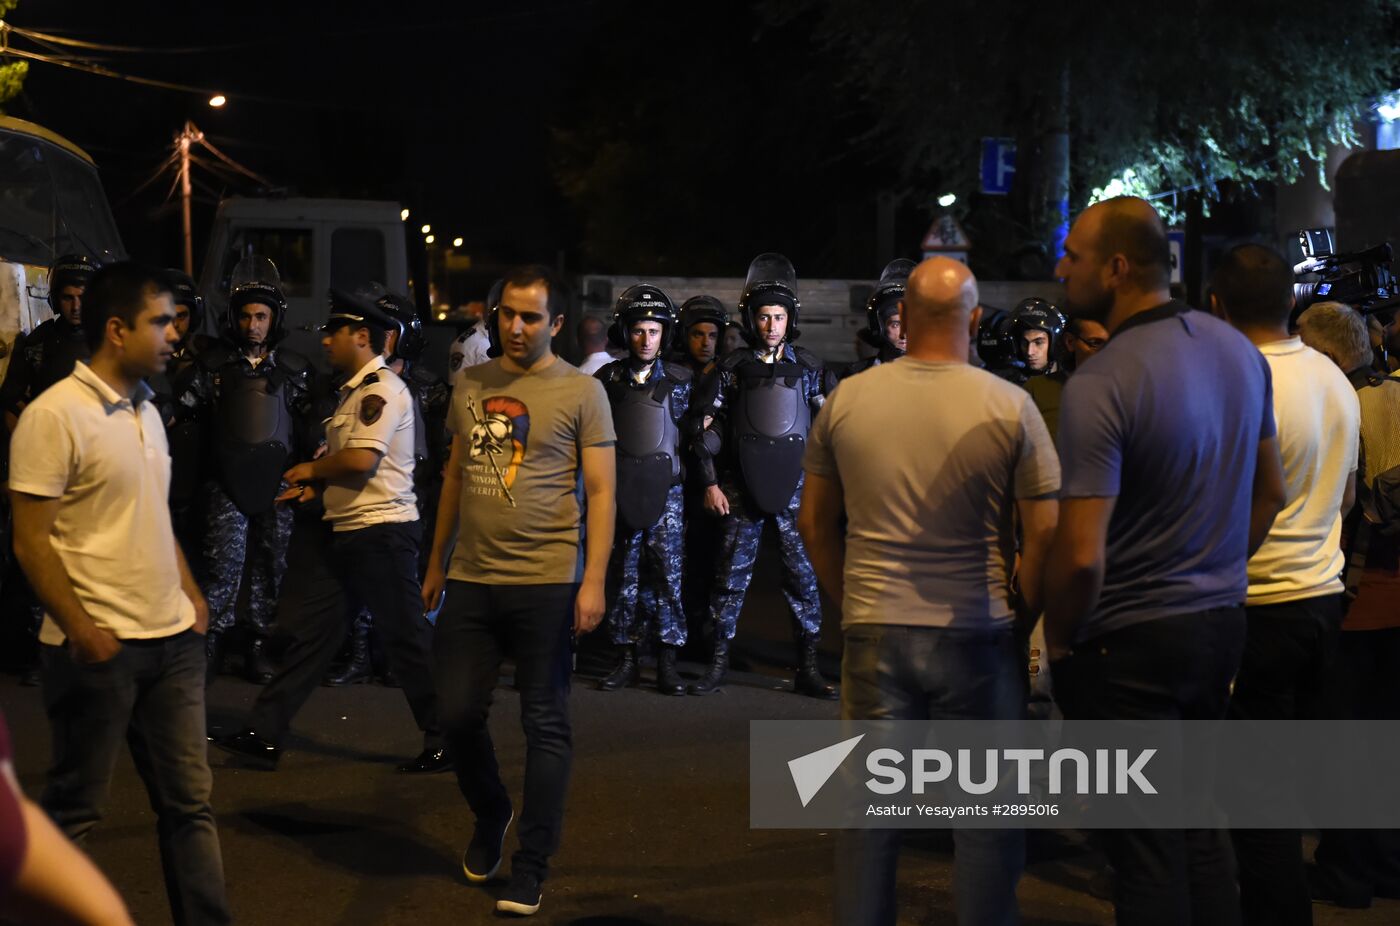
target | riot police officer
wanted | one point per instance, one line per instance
(883, 327)
(48, 353)
(649, 397)
(366, 548)
(1037, 330)
(759, 405)
(403, 346)
(249, 393)
(182, 424)
(702, 323)
(473, 346)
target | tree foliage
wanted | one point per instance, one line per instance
(12, 73)
(1185, 95)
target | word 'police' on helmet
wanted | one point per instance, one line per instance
(408, 326)
(70, 270)
(256, 281)
(1036, 314)
(642, 302)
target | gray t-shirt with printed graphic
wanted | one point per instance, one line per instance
(523, 434)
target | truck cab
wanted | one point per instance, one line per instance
(316, 244)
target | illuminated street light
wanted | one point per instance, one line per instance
(217, 100)
(442, 316)
(456, 242)
(946, 200)
(431, 238)
(403, 215)
(426, 229)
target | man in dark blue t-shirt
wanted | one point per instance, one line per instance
(1172, 478)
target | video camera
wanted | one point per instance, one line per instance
(1362, 280)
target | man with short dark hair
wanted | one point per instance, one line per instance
(248, 393)
(1084, 337)
(1144, 586)
(123, 653)
(1294, 604)
(756, 410)
(649, 397)
(47, 354)
(524, 576)
(593, 344)
(365, 481)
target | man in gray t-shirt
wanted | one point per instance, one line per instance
(528, 430)
(931, 461)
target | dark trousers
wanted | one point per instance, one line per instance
(478, 627)
(1356, 865)
(150, 696)
(1170, 668)
(328, 576)
(1287, 651)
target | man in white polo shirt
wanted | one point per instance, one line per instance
(365, 480)
(123, 645)
(1294, 605)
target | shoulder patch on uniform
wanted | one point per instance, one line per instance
(371, 407)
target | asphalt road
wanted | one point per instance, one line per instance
(657, 828)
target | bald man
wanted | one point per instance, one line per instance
(928, 459)
(1172, 478)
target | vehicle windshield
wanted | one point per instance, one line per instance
(51, 203)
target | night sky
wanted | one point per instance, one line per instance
(460, 111)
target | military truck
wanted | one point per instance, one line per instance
(51, 203)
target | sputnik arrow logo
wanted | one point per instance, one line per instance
(812, 771)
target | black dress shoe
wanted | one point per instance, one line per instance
(427, 762)
(248, 745)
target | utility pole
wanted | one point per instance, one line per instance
(188, 135)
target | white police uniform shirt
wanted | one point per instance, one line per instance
(375, 413)
(468, 350)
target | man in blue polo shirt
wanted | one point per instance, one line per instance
(1171, 480)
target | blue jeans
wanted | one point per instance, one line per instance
(150, 695)
(928, 673)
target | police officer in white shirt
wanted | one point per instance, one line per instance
(365, 481)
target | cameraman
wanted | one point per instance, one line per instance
(1294, 604)
(1355, 865)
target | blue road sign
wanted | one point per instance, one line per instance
(998, 165)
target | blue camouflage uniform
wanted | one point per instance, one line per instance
(741, 530)
(241, 523)
(647, 563)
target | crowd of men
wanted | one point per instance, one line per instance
(1192, 514)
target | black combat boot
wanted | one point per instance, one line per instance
(256, 666)
(809, 679)
(719, 664)
(358, 670)
(668, 681)
(626, 673)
